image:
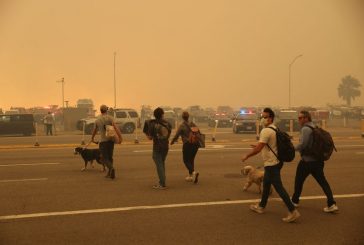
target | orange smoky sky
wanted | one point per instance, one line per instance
(179, 53)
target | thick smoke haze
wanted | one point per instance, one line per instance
(179, 53)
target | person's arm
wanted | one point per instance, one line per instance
(178, 133)
(94, 133)
(254, 151)
(150, 130)
(304, 139)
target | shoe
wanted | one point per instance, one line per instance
(296, 205)
(195, 177)
(112, 174)
(189, 178)
(159, 187)
(292, 216)
(256, 208)
(333, 208)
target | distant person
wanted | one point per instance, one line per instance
(106, 144)
(309, 165)
(159, 130)
(189, 150)
(272, 167)
(48, 122)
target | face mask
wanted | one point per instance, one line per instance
(263, 121)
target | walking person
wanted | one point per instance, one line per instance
(159, 130)
(106, 144)
(309, 165)
(272, 167)
(48, 122)
(189, 150)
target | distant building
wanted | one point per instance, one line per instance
(88, 104)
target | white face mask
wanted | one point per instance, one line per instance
(263, 122)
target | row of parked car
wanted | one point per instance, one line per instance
(245, 120)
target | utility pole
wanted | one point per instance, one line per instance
(62, 81)
(289, 80)
(114, 81)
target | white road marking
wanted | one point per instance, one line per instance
(201, 149)
(29, 164)
(21, 180)
(178, 205)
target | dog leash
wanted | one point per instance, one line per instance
(89, 144)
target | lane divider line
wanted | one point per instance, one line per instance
(178, 205)
(29, 164)
(22, 180)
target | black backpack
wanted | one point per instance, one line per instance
(286, 150)
(322, 144)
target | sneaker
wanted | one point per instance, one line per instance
(112, 174)
(296, 205)
(256, 208)
(159, 187)
(189, 178)
(195, 177)
(333, 208)
(292, 216)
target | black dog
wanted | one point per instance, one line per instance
(89, 155)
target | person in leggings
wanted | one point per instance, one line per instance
(189, 150)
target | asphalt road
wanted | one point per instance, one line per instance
(46, 199)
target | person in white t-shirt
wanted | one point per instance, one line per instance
(272, 167)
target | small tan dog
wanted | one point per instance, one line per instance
(254, 176)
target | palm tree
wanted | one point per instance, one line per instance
(349, 89)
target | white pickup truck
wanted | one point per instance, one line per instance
(127, 120)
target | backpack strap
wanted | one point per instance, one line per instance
(276, 154)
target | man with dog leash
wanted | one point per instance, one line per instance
(106, 144)
(272, 167)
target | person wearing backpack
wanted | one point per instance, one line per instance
(309, 164)
(189, 148)
(272, 167)
(159, 130)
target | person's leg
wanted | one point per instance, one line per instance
(195, 174)
(194, 150)
(317, 170)
(186, 150)
(266, 186)
(50, 129)
(278, 186)
(110, 148)
(159, 163)
(47, 126)
(105, 158)
(302, 172)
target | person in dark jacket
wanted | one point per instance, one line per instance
(189, 150)
(159, 130)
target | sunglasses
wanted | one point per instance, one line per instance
(300, 118)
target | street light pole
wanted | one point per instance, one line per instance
(114, 81)
(62, 81)
(289, 79)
